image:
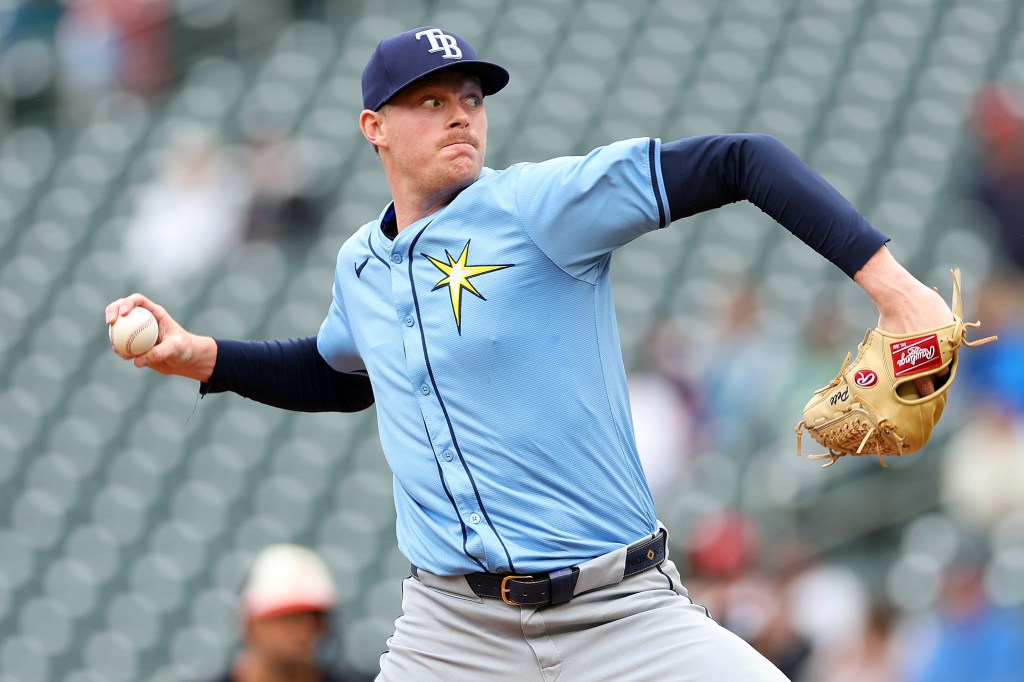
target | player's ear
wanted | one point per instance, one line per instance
(371, 125)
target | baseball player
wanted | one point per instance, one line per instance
(478, 305)
(285, 611)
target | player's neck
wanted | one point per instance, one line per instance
(411, 206)
(406, 215)
(251, 667)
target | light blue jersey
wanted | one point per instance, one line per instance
(489, 335)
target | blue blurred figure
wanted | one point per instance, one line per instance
(972, 638)
(995, 372)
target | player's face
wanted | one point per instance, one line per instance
(435, 133)
(287, 639)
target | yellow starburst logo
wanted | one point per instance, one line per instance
(457, 273)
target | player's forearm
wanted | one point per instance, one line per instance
(286, 373)
(703, 173)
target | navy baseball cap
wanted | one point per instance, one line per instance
(407, 57)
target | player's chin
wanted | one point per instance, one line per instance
(462, 170)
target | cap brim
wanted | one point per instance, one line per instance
(288, 609)
(492, 77)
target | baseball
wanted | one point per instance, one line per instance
(134, 334)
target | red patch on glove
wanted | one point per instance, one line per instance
(914, 356)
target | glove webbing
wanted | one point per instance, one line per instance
(853, 436)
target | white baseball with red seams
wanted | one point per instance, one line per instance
(135, 333)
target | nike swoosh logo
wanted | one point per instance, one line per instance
(359, 268)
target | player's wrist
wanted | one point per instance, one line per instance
(887, 282)
(201, 358)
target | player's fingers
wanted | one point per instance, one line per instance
(924, 386)
(112, 310)
(157, 355)
(164, 350)
(138, 300)
(163, 318)
(129, 302)
(123, 306)
(167, 351)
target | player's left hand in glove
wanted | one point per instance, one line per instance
(873, 406)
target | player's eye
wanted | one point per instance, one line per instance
(474, 101)
(431, 103)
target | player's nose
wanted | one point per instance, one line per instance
(459, 116)
(459, 119)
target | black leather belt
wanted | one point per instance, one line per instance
(557, 587)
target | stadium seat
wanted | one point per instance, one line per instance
(112, 655)
(48, 622)
(73, 585)
(24, 659)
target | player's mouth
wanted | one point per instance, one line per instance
(453, 143)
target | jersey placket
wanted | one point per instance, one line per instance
(420, 360)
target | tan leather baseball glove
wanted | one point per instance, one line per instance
(872, 407)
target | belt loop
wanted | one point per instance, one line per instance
(563, 582)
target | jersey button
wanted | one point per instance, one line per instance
(448, 455)
(474, 518)
(424, 389)
(396, 258)
(409, 321)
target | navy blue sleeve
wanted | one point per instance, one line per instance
(288, 373)
(702, 173)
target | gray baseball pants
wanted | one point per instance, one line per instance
(642, 628)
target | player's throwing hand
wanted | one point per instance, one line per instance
(178, 351)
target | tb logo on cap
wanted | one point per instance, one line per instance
(439, 40)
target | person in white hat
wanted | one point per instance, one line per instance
(285, 613)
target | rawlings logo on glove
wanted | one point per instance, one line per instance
(915, 356)
(872, 407)
(865, 378)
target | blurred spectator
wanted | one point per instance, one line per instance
(279, 208)
(998, 125)
(743, 378)
(190, 216)
(823, 606)
(826, 336)
(665, 409)
(780, 643)
(995, 371)
(286, 609)
(89, 54)
(983, 467)
(145, 65)
(865, 655)
(723, 546)
(69, 52)
(970, 638)
(827, 601)
(722, 553)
